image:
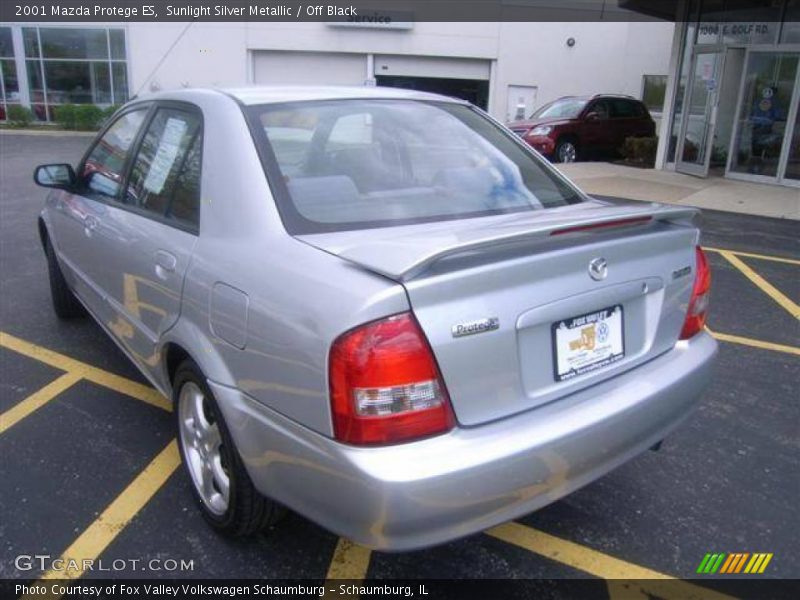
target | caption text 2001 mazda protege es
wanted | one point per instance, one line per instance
(376, 307)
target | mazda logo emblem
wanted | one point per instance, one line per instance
(598, 269)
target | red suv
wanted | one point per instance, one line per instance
(582, 126)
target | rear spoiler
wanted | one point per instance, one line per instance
(393, 260)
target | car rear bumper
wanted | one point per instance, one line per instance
(423, 493)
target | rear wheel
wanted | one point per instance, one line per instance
(65, 304)
(220, 483)
(566, 151)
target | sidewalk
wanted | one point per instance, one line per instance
(676, 188)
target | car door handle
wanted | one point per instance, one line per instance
(165, 263)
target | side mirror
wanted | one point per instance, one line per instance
(593, 116)
(60, 176)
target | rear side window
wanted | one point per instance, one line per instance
(165, 177)
(623, 109)
(356, 164)
(102, 172)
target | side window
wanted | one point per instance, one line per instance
(185, 206)
(165, 178)
(102, 171)
(622, 109)
(601, 108)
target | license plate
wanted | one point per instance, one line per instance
(587, 342)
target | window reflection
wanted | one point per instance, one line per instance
(6, 46)
(768, 87)
(73, 43)
(77, 82)
(9, 86)
(102, 171)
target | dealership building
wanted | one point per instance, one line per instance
(506, 68)
(731, 104)
(722, 82)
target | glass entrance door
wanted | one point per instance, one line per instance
(697, 130)
(762, 128)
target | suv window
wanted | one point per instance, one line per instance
(102, 171)
(564, 108)
(601, 108)
(165, 178)
(623, 109)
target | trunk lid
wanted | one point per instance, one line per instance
(490, 294)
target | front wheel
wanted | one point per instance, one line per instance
(566, 151)
(221, 486)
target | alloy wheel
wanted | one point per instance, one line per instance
(202, 446)
(567, 152)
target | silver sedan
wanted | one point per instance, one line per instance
(378, 308)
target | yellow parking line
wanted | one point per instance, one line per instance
(736, 339)
(36, 400)
(642, 581)
(780, 259)
(117, 515)
(349, 561)
(124, 385)
(762, 283)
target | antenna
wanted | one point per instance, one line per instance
(163, 58)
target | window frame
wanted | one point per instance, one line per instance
(150, 107)
(296, 224)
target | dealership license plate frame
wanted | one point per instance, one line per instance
(617, 330)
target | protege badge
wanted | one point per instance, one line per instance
(473, 327)
(681, 272)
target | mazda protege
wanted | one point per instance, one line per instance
(378, 308)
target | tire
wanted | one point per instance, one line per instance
(209, 456)
(65, 304)
(566, 151)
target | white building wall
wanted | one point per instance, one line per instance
(606, 57)
(208, 54)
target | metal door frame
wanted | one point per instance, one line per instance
(680, 165)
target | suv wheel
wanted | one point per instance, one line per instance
(566, 151)
(220, 483)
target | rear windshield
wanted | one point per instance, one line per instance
(568, 108)
(358, 164)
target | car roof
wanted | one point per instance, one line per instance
(594, 96)
(278, 94)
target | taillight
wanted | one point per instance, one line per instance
(698, 304)
(385, 385)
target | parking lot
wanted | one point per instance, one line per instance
(90, 466)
